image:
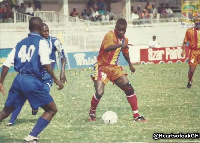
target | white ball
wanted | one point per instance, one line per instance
(109, 117)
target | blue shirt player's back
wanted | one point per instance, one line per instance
(27, 55)
(32, 82)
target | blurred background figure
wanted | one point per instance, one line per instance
(154, 43)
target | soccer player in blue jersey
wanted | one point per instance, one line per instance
(55, 45)
(31, 61)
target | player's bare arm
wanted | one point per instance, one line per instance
(51, 72)
(62, 72)
(127, 58)
(183, 49)
(3, 75)
(113, 47)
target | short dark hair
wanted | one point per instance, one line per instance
(44, 24)
(121, 21)
(35, 23)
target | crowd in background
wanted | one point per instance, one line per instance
(151, 12)
(95, 10)
(7, 9)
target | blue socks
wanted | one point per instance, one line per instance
(15, 113)
(39, 127)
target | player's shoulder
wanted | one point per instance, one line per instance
(110, 34)
(53, 38)
(190, 29)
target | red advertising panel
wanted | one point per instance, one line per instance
(162, 55)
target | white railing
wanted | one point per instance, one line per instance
(21, 18)
(57, 18)
(152, 21)
(51, 16)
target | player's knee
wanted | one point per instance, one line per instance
(99, 94)
(128, 89)
(53, 111)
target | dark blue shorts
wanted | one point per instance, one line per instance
(31, 88)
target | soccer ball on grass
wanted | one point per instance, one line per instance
(109, 117)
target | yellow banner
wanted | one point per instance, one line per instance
(189, 9)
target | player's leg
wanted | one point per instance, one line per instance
(190, 75)
(14, 115)
(193, 60)
(6, 112)
(99, 88)
(14, 99)
(39, 98)
(123, 83)
(49, 112)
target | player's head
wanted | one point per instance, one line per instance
(120, 28)
(35, 24)
(154, 37)
(45, 31)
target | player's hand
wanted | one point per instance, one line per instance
(60, 84)
(183, 53)
(132, 68)
(63, 77)
(123, 45)
(2, 89)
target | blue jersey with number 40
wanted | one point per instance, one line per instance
(30, 56)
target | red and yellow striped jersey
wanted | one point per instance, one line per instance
(193, 36)
(111, 57)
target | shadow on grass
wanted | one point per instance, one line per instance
(19, 121)
(17, 140)
(184, 88)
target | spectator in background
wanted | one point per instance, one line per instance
(110, 13)
(22, 8)
(19, 2)
(12, 3)
(101, 5)
(91, 4)
(163, 12)
(169, 12)
(7, 12)
(148, 7)
(139, 11)
(74, 13)
(153, 43)
(15, 8)
(95, 15)
(38, 5)
(1, 12)
(134, 14)
(154, 11)
(29, 9)
(86, 14)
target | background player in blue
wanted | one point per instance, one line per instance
(31, 61)
(55, 45)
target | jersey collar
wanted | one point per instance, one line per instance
(35, 33)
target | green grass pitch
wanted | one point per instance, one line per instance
(162, 98)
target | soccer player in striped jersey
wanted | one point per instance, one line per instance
(107, 68)
(35, 74)
(55, 45)
(192, 36)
